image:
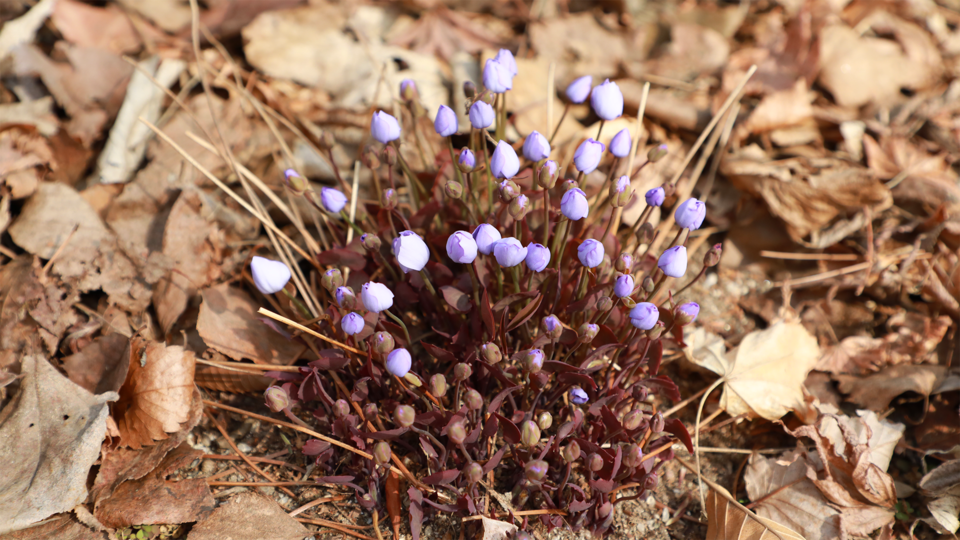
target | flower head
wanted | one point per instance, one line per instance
(588, 331)
(552, 326)
(509, 252)
(690, 214)
(352, 324)
(673, 261)
(496, 77)
(486, 236)
(644, 315)
(588, 155)
(269, 276)
(538, 257)
(579, 89)
(547, 178)
(624, 263)
(345, 297)
(519, 207)
(408, 90)
(623, 286)
(536, 147)
(509, 190)
(578, 396)
(620, 143)
(686, 313)
(607, 100)
(590, 253)
(621, 192)
(574, 204)
(504, 162)
(461, 247)
(332, 199)
(384, 127)
(398, 362)
(411, 251)
(655, 196)
(376, 296)
(533, 360)
(446, 121)
(277, 398)
(506, 59)
(481, 115)
(467, 161)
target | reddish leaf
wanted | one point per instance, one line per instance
(495, 459)
(510, 430)
(328, 362)
(487, 314)
(343, 257)
(393, 501)
(441, 477)
(442, 355)
(416, 512)
(584, 381)
(457, 299)
(676, 427)
(498, 399)
(665, 386)
(552, 366)
(509, 299)
(524, 314)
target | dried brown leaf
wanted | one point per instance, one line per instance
(244, 517)
(496, 530)
(64, 527)
(912, 339)
(944, 480)
(157, 394)
(106, 28)
(230, 380)
(50, 436)
(782, 109)
(102, 365)
(579, 45)
(944, 512)
(875, 392)
(444, 32)
(727, 520)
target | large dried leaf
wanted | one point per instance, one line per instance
(789, 497)
(944, 512)
(106, 28)
(102, 365)
(727, 520)
(496, 530)
(764, 375)
(50, 436)
(876, 391)
(245, 517)
(63, 527)
(912, 339)
(156, 396)
(229, 323)
(944, 480)
(879, 435)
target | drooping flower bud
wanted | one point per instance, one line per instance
(486, 236)
(491, 353)
(473, 472)
(604, 303)
(519, 207)
(398, 362)
(352, 323)
(277, 398)
(538, 257)
(445, 123)
(632, 420)
(384, 127)
(404, 415)
(579, 89)
(509, 190)
(383, 342)
(509, 252)
(690, 214)
(438, 385)
(595, 462)
(453, 189)
(673, 261)
(712, 258)
(655, 196)
(574, 204)
(547, 177)
(345, 297)
(481, 115)
(472, 399)
(388, 199)
(295, 182)
(657, 153)
(686, 313)
(408, 90)
(457, 432)
(529, 433)
(462, 372)
(466, 161)
(370, 242)
(587, 332)
(341, 408)
(644, 316)
(552, 327)
(536, 147)
(623, 286)
(620, 144)
(632, 456)
(382, 453)
(607, 100)
(624, 263)
(621, 192)
(469, 89)
(535, 470)
(578, 396)
(411, 251)
(588, 154)
(544, 420)
(590, 253)
(333, 200)
(571, 452)
(331, 279)
(533, 361)
(269, 276)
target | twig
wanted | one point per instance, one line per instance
(334, 526)
(59, 250)
(243, 456)
(316, 502)
(298, 326)
(809, 256)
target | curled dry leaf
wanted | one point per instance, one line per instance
(497, 530)
(156, 396)
(245, 517)
(729, 520)
(53, 429)
(875, 392)
(912, 339)
(879, 435)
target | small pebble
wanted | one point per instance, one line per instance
(245, 448)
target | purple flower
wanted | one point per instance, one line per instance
(509, 252)
(398, 362)
(588, 155)
(538, 257)
(644, 315)
(655, 196)
(504, 162)
(332, 199)
(408, 90)
(551, 323)
(352, 324)
(269, 276)
(411, 251)
(673, 261)
(496, 77)
(486, 236)
(384, 127)
(345, 297)
(690, 214)
(461, 247)
(376, 297)
(623, 286)
(533, 360)
(578, 396)
(536, 147)
(574, 204)
(446, 121)
(687, 313)
(607, 100)
(590, 253)
(467, 160)
(481, 115)
(506, 59)
(620, 144)
(579, 89)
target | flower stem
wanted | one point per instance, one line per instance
(516, 278)
(350, 222)
(399, 321)
(546, 216)
(433, 292)
(566, 109)
(475, 281)
(415, 187)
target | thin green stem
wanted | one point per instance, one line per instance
(399, 321)
(566, 109)
(414, 183)
(358, 230)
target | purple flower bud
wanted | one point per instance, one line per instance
(341, 408)
(595, 462)
(398, 362)
(469, 89)
(544, 420)
(504, 162)
(496, 77)
(620, 143)
(533, 360)
(574, 204)
(519, 207)
(588, 155)
(481, 115)
(467, 161)
(604, 303)
(536, 147)
(624, 263)
(529, 433)
(644, 316)
(376, 297)
(345, 297)
(331, 279)
(621, 192)
(673, 261)
(277, 398)
(607, 100)
(712, 257)
(383, 342)
(370, 242)
(690, 214)
(352, 324)
(408, 90)
(472, 399)
(578, 396)
(446, 121)
(473, 472)
(295, 181)
(632, 456)
(686, 313)
(655, 196)
(411, 251)
(486, 236)
(579, 89)
(587, 332)
(509, 252)
(508, 190)
(462, 371)
(623, 286)
(547, 178)
(404, 415)
(538, 257)
(491, 353)
(571, 452)
(332, 199)
(269, 276)
(506, 59)
(384, 127)
(632, 419)
(388, 199)
(438, 385)
(590, 253)
(381, 453)
(552, 327)
(457, 432)
(461, 247)
(370, 410)
(536, 470)
(657, 153)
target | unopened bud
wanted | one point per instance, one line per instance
(381, 453)
(388, 199)
(519, 207)
(551, 327)
(438, 385)
(370, 410)
(533, 361)
(327, 140)
(487, 97)
(645, 233)
(389, 155)
(595, 462)
(370, 157)
(632, 419)
(624, 263)
(712, 258)
(604, 303)
(587, 332)
(453, 189)
(473, 472)
(491, 353)
(658, 422)
(632, 456)
(469, 89)
(383, 342)
(657, 153)
(544, 420)
(535, 470)
(569, 184)
(331, 279)
(277, 398)
(404, 415)
(341, 408)
(571, 452)
(473, 400)
(408, 90)
(509, 190)
(524, 535)
(462, 372)
(457, 432)
(529, 433)
(648, 284)
(656, 331)
(547, 178)
(295, 182)
(370, 242)
(630, 303)
(685, 314)
(605, 510)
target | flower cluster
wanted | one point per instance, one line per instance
(510, 327)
